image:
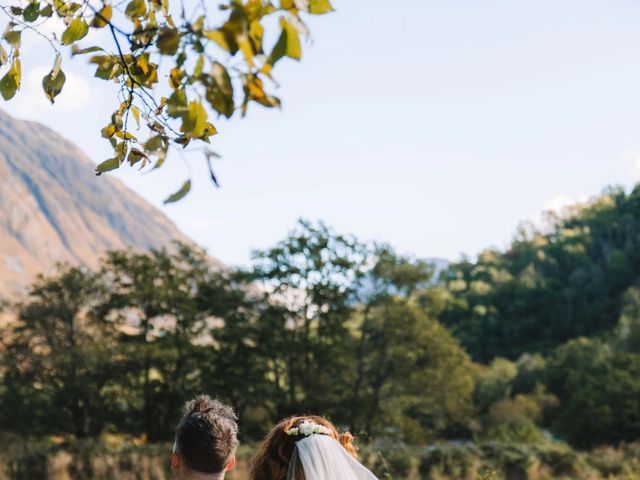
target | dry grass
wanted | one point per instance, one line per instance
(116, 458)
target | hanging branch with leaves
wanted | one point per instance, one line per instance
(173, 64)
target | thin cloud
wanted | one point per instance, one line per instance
(561, 202)
(76, 94)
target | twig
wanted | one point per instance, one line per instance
(29, 27)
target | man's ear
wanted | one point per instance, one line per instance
(175, 461)
(231, 464)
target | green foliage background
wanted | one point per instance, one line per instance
(375, 340)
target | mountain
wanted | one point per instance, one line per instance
(53, 208)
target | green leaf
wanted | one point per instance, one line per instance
(103, 17)
(73, 7)
(108, 66)
(61, 7)
(180, 194)
(125, 136)
(194, 122)
(293, 40)
(54, 81)
(135, 155)
(108, 131)
(146, 73)
(256, 32)
(175, 78)
(288, 43)
(177, 104)
(220, 91)
(108, 165)
(183, 140)
(75, 50)
(13, 38)
(198, 25)
(76, 30)
(155, 144)
(32, 12)
(319, 7)
(47, 11)
(223, 39)
(197, 70)
(222, 78)
(279, 50)
(168, 41)
(52, 84)
(136, 8)
(8, 87)
(10, 83)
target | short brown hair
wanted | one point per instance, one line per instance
(207, 435)
(272, 461)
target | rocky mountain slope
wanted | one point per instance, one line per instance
(53, 208)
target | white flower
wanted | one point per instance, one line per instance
(307, 428)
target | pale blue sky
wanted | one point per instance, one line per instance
(436, 126)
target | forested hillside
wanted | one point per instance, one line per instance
(574, 277)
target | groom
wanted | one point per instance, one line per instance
(206, 440)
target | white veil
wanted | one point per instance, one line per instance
(320, 457)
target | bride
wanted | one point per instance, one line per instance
(308, 448)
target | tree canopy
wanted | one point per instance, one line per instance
(570, 278)
(325, 323)
(119, 348)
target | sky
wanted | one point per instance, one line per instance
(435, 126)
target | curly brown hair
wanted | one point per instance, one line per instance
(272, 460)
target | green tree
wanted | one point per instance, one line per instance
(241, 358)
(494, 382)
(312, 277)
(598, 389)
(410, 377)
(627, 332)
(58, 357)
(155, 296)
(218, 57)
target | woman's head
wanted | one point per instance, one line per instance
(272, 461)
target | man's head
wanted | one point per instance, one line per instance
(206, 440)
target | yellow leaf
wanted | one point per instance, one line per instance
(76, 30)
(194, 122)
(245, 47)
(103, 17)
(143, 63)
(218, 37)
(136, 115)
(293, 49)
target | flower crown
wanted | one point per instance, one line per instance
(307, 427)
